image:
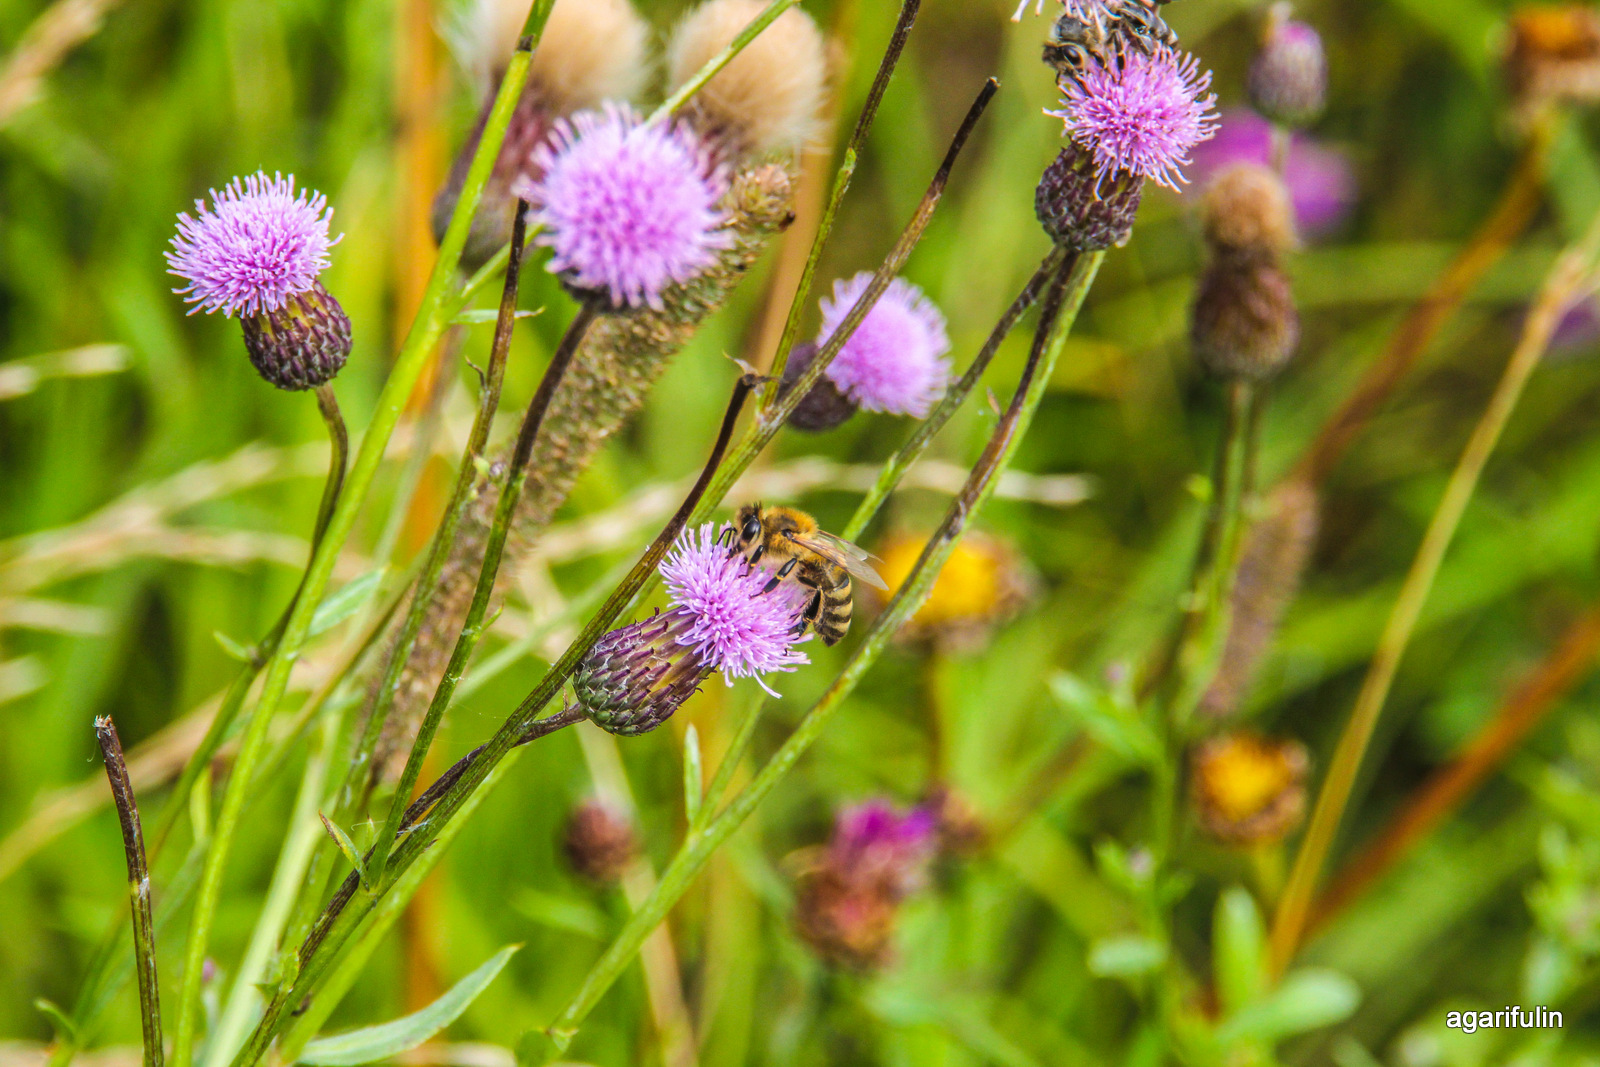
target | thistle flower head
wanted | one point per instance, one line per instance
(1248, 788)
(876, 842)
(895, 361)
(1288, 80)
(258, 244)
(1140, 115)
(729, 617)
(1321, 183)
(628, 208)
(591, 50)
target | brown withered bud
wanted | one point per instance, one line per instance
(1244, 323)
(1247, 213)
(845, 922)
(824, 407)
(1248, 789)
(1274, 558)
(600, 843)
(1553, 55)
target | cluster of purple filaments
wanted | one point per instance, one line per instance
(896, 360)
(875, 840)
(628, 207)
(722, 609)
(1141, 114)
(259, 244)
(1086, 10)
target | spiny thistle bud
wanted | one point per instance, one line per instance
(1553, 55)
(723, 617)
(896, 360)
(1081, 212)
(1246, 213)
(628, 207)
(1274, 557)
(824, 407)
(591, 51)
(769, 97)
(600, 842)
(983, 584)
(1244, 323)
(256, 253)
(1288, 80)
(1249, 789)
(849, 895)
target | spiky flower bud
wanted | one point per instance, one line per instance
(723, 617)
(1080, 211)
(257, 253)
(1288, 81)
(1247, 213)
(600, 842)
(769, 97)
(1249, 789)
(824, 407)
(1244, 323)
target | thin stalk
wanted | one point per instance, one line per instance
(773, 415)
(425, 332)
(730, 763)
(674, 103)
(443, 801)
(472, 626)
(1060, 310)
(144, 931)
(891, 473)
(360, 775)
(841, 185)
(1572, 273)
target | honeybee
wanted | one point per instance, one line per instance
(791, 543)
(1105, 31)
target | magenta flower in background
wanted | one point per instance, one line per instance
(721, 612)
(876, 843)
(896, 360)
(258, 245)
(1142, 116)
(629, 208)
(1321, 183)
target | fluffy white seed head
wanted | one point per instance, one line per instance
(592, 50)
(770, 96)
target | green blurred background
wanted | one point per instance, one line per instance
(361, 100)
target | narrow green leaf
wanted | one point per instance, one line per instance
(1113, 724)
(347, 846)
(1306, 1000)
(693, 783)
(380, 1042)
(59, 1019)
(235, 650)
(1125, 957)
(1239, 940)
(346, 602)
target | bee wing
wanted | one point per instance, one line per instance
(837, 550)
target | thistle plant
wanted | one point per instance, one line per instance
(1128, 825)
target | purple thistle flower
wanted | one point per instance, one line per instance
(1087, 10)
(259, 245)
(722, 612)
(1142, 115)
(629, 208)
(874, 842)
(1321, 184)
(895, 361)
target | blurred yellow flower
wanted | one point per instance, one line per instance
(983, 583)
(1249, 788)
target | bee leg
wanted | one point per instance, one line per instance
(783, 572)
(808, 618)
(755, 557)
(726, 532)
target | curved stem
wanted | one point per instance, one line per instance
(1571, 273)
(144, 930)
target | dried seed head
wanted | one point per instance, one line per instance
(1288, 80)
(824, 407)
(1249, 789)
(1271, 564)
(1081, 212)
(1247, 213)
(302, 343)
(600, 842)
(1553, 55)
(591, 51)
(770, 96)
(1244, 322)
